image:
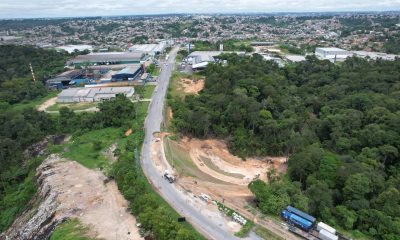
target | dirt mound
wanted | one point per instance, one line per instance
(69, 190)
(191, 86)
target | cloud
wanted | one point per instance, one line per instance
(62, 8)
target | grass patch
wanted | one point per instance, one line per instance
(245, 230)
(33, 103)
(73, 106)
(266, 234)
(71, 230)
(87, 149)
(214, 167)
(146, 91)
(181, 161)
(155, 72)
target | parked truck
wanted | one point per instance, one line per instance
(296, 220)
(170, 178)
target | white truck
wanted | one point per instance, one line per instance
(326, 227)
(325, 235)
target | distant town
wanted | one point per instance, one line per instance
(244, 126)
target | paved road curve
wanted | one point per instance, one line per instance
(167, 190)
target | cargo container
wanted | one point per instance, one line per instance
(326, 227)
(296, 220)
(325, 235)
(301, 214)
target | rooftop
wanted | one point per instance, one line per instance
(130, 69)
(332, 49)
(109, 57)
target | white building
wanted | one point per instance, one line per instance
(149, 49)
(332, 54)
(295, 58)
(93, 94)
(375, 55)
(73, 48)
(200, 59)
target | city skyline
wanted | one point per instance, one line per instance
(75, 8)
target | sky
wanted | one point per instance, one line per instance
(74, 8)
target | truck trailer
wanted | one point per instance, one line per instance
(326, 227)
(301, 214)
(296, 220)
(325, 235)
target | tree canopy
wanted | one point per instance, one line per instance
(338, 123)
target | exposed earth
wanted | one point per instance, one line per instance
(191, 86)
(69, 190)
(47, 104)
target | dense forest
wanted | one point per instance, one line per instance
(16, 83)
(338, 123)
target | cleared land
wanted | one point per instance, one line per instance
(191, 86)
(99, 206)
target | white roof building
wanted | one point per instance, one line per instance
(200, 59)
(72, 48)
(332, 53)
(295, 58)
(149, 49)
(93, 94)
(375, 55)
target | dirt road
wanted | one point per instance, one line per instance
(47, 104)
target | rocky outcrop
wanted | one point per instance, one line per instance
(69, 190)
(40, 219)
(39, 148)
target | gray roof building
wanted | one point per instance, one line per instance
(106, 58)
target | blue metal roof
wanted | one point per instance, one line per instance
(301, 214)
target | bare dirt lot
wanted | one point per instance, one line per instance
(191, 86)
(98, 205)
(213, 157)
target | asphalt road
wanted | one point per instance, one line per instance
(167, 190)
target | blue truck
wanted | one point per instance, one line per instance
(301, 214)
(297, 220)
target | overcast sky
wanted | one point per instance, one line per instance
(67, 8)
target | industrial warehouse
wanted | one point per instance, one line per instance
(74, 95)
(107, 58)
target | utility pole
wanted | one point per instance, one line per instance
(33, 74)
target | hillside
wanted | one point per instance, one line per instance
(339, 125)
(15, 77)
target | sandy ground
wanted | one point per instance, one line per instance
(47, 104)
(190, 86)
(217, 152)
(95, 203)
